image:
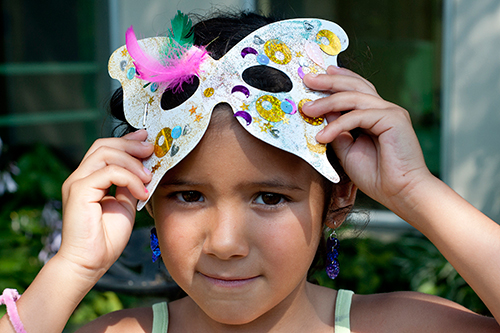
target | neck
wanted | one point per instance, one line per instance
(307, 306)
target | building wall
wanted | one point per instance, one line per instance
(471, 102)
(152, 17)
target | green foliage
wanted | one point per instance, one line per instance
(410, 262)
(21, 233)
(94, 305)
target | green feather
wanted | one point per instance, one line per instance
(181, 30)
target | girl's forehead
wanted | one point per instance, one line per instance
(228, 152)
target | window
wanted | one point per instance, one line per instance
(53, 78)
(396, 45)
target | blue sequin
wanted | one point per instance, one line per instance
(286, 107)
(333, 270)
(176, 132)
(154, 245)
(262, 59)
(332, 246)
(131, 73)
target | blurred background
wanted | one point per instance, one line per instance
(437, 58)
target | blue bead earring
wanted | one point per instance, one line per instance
(154, 245)
(332, 245)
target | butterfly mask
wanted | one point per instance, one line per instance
(149, 71)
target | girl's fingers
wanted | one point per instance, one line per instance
(132, 143)
(339, 79)
(93, 188)
(344, 101)
(373, 122)
(104, 156)
(332, 70)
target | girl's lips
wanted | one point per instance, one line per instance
(224, 281)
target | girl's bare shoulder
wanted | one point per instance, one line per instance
(415, 312)
(138, 320)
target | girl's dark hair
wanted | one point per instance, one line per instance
(219, 34)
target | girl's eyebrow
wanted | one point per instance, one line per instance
(177, 182)
(273, 184)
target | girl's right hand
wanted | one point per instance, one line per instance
(97, 225)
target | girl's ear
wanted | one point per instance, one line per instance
(340, 204)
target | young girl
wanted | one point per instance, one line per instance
(239, 221)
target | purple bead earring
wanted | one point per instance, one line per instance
(155, 247)
(332, 245)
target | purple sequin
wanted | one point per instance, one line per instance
(332, 270)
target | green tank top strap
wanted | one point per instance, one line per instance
(160, 318)
(343, 311)
(342, 314)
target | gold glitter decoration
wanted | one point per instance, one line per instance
(193, 109)
(151, 100)
(209, 92)
(311, 120)
(274, 48)
(313, 69)
(198, 117)
(334, 47)
(162, 150)
(244, 107)
(156, 167)
(298, 54)
(275, 114)
(317, 148)
(124, 52)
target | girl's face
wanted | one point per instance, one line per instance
(239, 223)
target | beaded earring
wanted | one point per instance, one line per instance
(155, 247)
(332, 245)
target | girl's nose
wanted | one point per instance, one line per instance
(227, 234)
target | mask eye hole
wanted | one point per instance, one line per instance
(171, 99)
(267, 79)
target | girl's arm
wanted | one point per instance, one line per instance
(387, 164)
(96, 228)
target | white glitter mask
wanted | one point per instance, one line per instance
(286, 50)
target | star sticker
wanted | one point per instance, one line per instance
(256, 119)
(244, 107)
(313, 69)
(263, 128)
(124, 52)
(298, 54)
(286, 120)
(157, 165)
(151, 100)
(198, 117)
(268, 126)
(192, 110)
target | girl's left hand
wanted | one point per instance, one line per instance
(385, 161)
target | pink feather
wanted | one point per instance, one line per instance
(173, 72)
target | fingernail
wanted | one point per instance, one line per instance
(313, 74)
(146, 171)
(320, 133)
(308, 104)
(145, 143)
(146, 190)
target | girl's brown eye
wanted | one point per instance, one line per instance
(269, 199)
(190, 196)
